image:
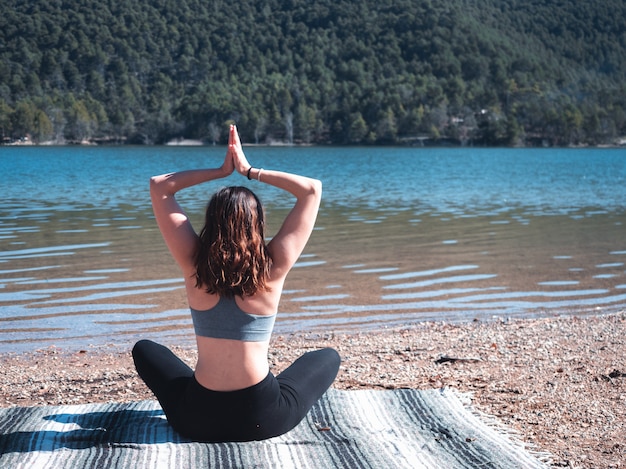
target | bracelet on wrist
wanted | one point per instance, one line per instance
(249, 169)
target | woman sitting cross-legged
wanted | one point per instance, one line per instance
(234, 280)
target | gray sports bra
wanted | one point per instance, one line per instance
(226, 320)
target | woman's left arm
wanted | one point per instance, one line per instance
(179, 235)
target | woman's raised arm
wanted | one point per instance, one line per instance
(287, 245)
(179, 235)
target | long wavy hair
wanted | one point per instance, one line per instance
(232, 257)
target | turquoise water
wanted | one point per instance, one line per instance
(451, 180)
(404, 235)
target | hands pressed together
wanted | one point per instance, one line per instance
(235, 159)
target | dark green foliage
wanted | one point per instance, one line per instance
(495, 72)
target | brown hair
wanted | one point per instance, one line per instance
(232, 257)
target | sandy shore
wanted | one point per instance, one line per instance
(559, 383)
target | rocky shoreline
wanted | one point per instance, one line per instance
(559, 383)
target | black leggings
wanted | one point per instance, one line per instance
(270, 408)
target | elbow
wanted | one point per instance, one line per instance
(160, 185)
(315, 189)
(309, 189)
(154, 184)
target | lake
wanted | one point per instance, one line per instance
(404, 235)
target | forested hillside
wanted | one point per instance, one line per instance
(489, 72)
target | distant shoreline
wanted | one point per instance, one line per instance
(425, 143)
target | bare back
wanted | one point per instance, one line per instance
(225, 364)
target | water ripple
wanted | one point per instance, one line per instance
(455, 279)
(428, 273)
(48, 251)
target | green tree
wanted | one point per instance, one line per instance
(6, 126)
(80, 122)
(358, 129)
(23, 119)
(386, 127)
(42, 129)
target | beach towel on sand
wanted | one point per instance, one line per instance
(346, 429)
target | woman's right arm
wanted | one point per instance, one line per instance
(287, 245)
(179, 235)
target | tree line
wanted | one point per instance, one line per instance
(495, 72)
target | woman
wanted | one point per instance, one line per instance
(233, 281)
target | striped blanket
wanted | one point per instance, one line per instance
(345, 429)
